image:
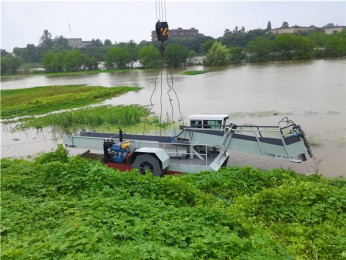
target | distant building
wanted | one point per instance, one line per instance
(77, 43)
(294, 29)
(334, 29)
(298, 29)
(178, 33)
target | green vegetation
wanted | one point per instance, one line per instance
(73, 60)
(217, 55)
(67, 73)
(235, 46)
(9, 65)
(102, 118)
(68, 207)
(194, 72)
(41, 100)
(111, 116)
(149, 56)
(117, 57)
(176, 55)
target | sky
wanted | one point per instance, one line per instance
(23, 22)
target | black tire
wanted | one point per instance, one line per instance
(147, 163)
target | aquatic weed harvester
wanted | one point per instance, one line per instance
(202, 145)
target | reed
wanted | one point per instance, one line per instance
(103, 118)
(41, 100)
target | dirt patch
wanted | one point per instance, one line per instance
(92, 156)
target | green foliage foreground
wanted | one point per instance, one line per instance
(67, 207)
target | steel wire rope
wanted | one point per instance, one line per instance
(161, 98)
(156, 10)
(161, 10)
(176, 95)
(170, 101)
(151, 107)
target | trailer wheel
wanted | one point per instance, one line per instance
(147, 163)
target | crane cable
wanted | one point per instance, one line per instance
(160, 9)
(162, 35)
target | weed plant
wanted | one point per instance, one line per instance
(102, 118)
(91, 117)
(194, 72)
(68, 207)
(41, 100)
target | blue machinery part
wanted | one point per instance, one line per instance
(119, 152)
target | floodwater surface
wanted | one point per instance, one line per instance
(310, 93)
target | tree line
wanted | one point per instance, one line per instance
(236, 46)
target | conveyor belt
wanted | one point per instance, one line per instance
(276, 141)
(160, 139)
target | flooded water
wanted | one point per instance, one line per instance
(312, 94)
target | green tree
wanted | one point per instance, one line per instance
(96, 43)
(293, 47)
(9, 64)
(217, 55)
(60, 43)
(149, 56)
(285, 25)
(207, 45)
(91, 63)
(259, 49)
(29, 54)
(176, 55)
(133, 52)
(117, 57)
(335, 45)
(236, 54)
(46, 41)
(107, 42)
(269, 26)
(53, 62)
(74, 60)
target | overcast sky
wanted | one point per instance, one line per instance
(23, 22)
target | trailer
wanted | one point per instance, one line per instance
(202, 145)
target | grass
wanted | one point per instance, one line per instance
(102, 118)
(194, 72)
(41, 100)
(66, 73)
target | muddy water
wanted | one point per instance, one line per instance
(311, 94)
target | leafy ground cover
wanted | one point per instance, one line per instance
(68, 207)
(194, 72)
(41, 100)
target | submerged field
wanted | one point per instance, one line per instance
(68, 207)
(41, 100)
